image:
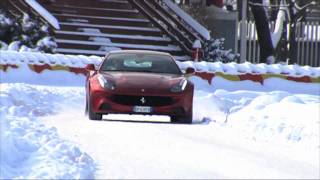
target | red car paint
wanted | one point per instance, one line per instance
(139, 89)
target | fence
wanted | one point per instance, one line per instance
(307, 39)
(308, 43)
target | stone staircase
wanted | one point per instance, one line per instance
(93, 27)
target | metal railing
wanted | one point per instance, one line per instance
(19, 7)
(307, 39)
(168, 23)
(308, 43)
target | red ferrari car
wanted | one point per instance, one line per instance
(139, 82)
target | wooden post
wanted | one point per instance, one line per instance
(243, 32)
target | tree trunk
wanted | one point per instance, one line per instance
(263, 31)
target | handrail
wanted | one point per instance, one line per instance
(167, 22)
(11, 7)
(205, 34)
(174, 26)
(172, 34)
(23, 7)
(178, 22)
(40, 10)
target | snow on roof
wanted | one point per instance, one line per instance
(188, 19)
(44, 13)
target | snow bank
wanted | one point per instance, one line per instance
(247, 67)
(267, 117)
(13, 57)
(277, 117)
(29, 150)
(61, 77)
(80, 61)
(52, 78)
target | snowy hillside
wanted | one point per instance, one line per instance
(241, 129)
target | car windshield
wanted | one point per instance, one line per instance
(138, 62)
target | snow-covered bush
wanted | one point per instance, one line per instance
(25, 34)
(3, 45)
(7, 29)
(214, 51)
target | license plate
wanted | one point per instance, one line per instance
(142, 109)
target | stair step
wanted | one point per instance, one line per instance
(139, 20)
(103, 20)
(96, 3)
(131, 39)
(112, 29)
(110, 26)
(103, 53)
(107, 12)
(169, 48)
(135, 37)
(76, 7)
(113, 1)
(81, 51)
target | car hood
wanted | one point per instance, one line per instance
(136, 82)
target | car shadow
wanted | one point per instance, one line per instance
(204, 121)
(135, 121)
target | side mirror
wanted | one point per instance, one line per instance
(90, 67)
(190, 70)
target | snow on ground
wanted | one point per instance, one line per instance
(241, 130)
(29, 150)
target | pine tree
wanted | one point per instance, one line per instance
(25, 34)
(214, 51)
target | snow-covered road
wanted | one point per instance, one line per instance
(240, 130)
(126, 149)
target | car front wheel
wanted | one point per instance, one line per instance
(92, 115)
(182, 119)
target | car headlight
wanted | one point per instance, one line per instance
(179, 87)
(105, 83)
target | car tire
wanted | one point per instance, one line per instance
(92, 115)
(182, 119)
(86, 108)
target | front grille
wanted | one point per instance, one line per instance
(142, 100)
